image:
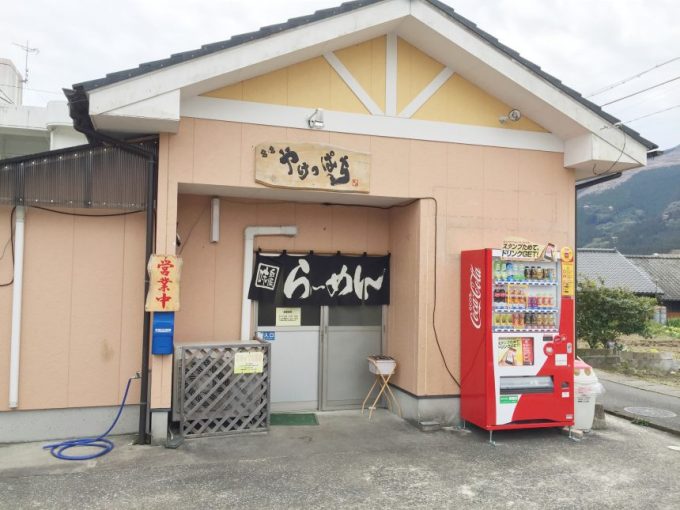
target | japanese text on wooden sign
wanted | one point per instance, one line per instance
(313, 166)
(164, 278)
(521, 250)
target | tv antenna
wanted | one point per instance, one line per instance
(29, 51)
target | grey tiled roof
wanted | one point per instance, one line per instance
(79, 89)
(664, 269)
(616, 271)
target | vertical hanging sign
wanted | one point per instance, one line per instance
(568, 281)
(164, 277)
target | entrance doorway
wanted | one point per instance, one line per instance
(321, 364)
(351, 335)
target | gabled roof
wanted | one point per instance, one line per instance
(664, 269)
(615, 270)
(207, 49)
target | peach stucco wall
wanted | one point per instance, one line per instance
(212, 272)
(483, 194)
(82, 309)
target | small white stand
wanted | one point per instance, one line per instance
(383, 370)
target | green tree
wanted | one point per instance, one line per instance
(603, 314)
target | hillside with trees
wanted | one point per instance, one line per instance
(638, 213)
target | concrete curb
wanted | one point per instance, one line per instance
(637, 383)
(651, 425)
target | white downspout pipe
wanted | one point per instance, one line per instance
(249, 236)
(17, 290)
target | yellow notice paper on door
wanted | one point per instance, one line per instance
(249, 362)
(288, 316)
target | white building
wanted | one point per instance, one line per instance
(31, 129)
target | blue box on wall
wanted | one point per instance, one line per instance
(163, 333)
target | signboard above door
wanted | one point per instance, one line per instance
(326, 280)
(312, 166)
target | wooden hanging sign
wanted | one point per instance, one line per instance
(312, 166)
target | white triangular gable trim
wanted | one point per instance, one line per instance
(581, 131)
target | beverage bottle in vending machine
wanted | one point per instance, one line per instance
(508, 270)
(517, 272)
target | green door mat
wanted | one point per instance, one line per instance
(293, 419)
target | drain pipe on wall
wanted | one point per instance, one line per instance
(249, 236)
(17, 291)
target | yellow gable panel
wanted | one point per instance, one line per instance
(415, 70)
(234, 92)
(312, 83)
(366, 62)
(462, 102)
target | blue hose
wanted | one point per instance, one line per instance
(106, 445)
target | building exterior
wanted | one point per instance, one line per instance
(616, 271)
(467, 144)
(664, 270)
(31, 129)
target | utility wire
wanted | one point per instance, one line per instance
(6, 98)
(32, 90)
(11, 240)
(626, 80)
(103, 215)
(650, 114)
(641, 91)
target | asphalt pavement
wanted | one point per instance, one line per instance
(348, 462)
(657, 405)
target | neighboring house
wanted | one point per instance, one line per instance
(31, 129)
(615, 271)
(467, 142)
(664, 270)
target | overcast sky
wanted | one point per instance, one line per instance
(588, 44)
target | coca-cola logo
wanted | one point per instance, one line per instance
(475, 297)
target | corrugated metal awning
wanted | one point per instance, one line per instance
(86, 176)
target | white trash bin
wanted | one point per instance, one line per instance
(586, 389)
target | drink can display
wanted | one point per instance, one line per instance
(527, 273)
(539, 273)
(508, 270)
(517, 271)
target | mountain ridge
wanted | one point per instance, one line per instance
(638, 214)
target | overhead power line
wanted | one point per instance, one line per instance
(650, 114)
(32, 90)
(626, 80)
(641, 91)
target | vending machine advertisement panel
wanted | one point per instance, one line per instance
(517, 341)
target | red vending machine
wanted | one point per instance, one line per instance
(517, 342)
